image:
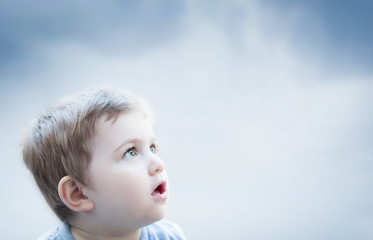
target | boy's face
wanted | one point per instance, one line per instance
(126, 178)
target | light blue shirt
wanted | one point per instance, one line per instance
(161, 230)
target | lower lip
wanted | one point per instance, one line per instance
(159, 196)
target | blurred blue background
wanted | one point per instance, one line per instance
(264, 109)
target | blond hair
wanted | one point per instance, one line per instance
(60, 142)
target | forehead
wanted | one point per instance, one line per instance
(141, 108)
(130, 122)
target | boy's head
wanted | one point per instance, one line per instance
(89, 152)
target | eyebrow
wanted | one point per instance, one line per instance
(133, 140)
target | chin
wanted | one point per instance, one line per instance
(158, 216)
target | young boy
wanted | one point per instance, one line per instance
(96, 161)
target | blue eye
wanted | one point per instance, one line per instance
(131, 153)
(153, 148)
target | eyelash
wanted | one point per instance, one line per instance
(133, 153)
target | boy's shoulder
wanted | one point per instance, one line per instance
(61, 232)
(162, 230)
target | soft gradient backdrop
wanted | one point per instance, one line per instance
(264, 109)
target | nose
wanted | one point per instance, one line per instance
(156, 165)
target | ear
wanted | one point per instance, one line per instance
(72, 195)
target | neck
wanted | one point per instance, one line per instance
(79, 234)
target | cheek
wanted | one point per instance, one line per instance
(121, 186)
(123, 197)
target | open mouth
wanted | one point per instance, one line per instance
(160, 191)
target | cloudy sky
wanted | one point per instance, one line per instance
(264, 109)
